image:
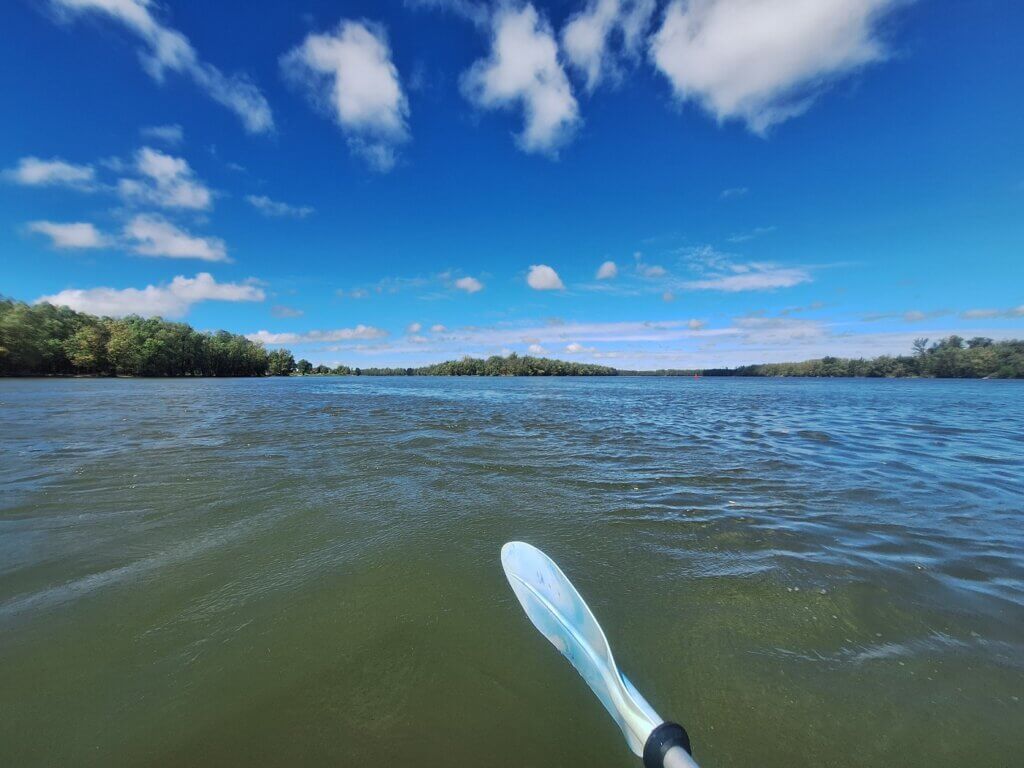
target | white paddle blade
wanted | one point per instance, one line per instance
(557, 610)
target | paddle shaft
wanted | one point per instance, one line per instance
(677, 757)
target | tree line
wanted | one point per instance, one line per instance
(950, 358)
(496, 365)
(46, 340)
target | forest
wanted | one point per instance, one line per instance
(950, 358)
(46, 340)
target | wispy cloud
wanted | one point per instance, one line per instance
(285, 312)
(985, 314)
(910, 316)
(733, 192)
(476, 11)
(361, 332)
(55, 172)
(523, 71)
(756, 232)
(168, 134)
(350, 75)
(70, 235)
(607, 271)
(170, 300)
(168, 50)
(277, 209)
(723, 273)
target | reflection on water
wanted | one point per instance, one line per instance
(305, 571)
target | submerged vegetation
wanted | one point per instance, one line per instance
(46, 340)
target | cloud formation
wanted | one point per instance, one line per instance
(523, 71)
(71, 235)
(155, 236)
(469, 284)
(173, 300)
(541, 277)
(169, 134)
(607, 271)
(359, 332)
(764, 61)
(986, 314)
(350, 74)
(276, 209)
(590, 35)
(167, 49)
(166, 181)
(282, 311)
(55, 172)
(722, 273)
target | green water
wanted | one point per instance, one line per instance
(305, 571)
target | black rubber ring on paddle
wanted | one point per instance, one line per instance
(661, 740)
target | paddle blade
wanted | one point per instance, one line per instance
(557, 610)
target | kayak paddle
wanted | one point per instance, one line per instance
(555, 607)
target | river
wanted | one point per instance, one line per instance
(305, 571)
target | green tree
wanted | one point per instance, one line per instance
(280, 363)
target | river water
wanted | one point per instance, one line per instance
(305, 572)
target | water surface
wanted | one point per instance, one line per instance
(305, 571)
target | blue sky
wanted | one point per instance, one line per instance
(399, 182)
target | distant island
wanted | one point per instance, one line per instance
(46, 340)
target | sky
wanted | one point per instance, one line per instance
(637, 183)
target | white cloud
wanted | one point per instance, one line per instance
(541, 277)
(985, 314)
(166, 181)
(360, 332)
(277, 209)
(668, 297)
(652, 270)
(437, 328)
(350, 74)
(911, 316)
(760, 277)
(587, 37)
(414, 328)
(756, 232)
(763, 61)
(169, 134)
(575, 348)
(155, 236)
(523, 70)
(536, 349)
(173, 300)
(722, 273)
(695, 325)
(167, 49)
(469, 284)
(35, 172)
(733, 192)
(607, 271)
(78, 234)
